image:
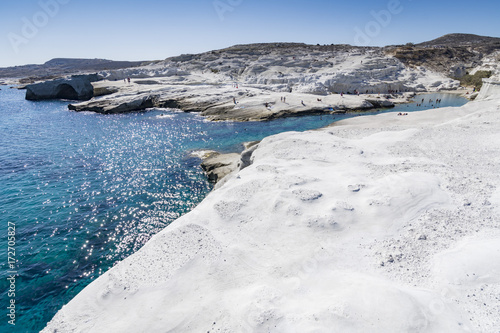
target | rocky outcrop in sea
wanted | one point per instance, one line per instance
(76, 87)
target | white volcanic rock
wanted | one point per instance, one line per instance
(376, 224)
(77, 87)
(220, 101)
(489, 63)
(490, 88)
(118, 104)
(338, 70)
(200, 82)
(217, 166)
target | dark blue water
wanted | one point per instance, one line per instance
(86, 190)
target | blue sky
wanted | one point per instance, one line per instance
(35, 31)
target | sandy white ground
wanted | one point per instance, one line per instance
(383, 223)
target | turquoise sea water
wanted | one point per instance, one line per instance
(86, 190)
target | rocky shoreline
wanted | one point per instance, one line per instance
(264, 81)
(374, 220)
(221, 102)
(218, 166)
(258, 82)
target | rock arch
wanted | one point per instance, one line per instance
(66, 91)
(76, 87)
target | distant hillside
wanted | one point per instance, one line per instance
(260, 49)
(461, 40)
(60, 67)
(452, 55)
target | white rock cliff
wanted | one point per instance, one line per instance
(377, 224)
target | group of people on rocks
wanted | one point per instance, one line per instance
(390, 91)
(266, 104)
(283, 99)
(438, 101)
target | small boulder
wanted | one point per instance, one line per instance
(380, 103)
(217, 166)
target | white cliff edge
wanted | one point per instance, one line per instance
(376, 224)
(490, 89)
